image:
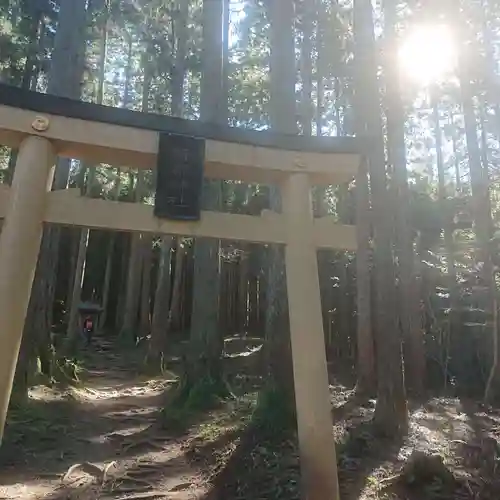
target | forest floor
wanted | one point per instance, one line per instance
(103, 440)
(107, 426)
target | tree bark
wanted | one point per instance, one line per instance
(324, 256)
(145, 305)
(162, 309)
(344, 302)
(454, 325)
(109, 258)
(242, 314)
(482, 217)
(307, 66)
(409, 311)
(65, 78)
(80, 261)
(77, 282)
(391, 416)
(132, 297)
(175, 317)
(282, 71)
(206, 342)
(253, 288)
(365, 361)
(159, 324)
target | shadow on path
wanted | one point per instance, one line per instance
(111, 420)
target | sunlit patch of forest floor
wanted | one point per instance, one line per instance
(100, 440)
(451, 452)
(107, 439)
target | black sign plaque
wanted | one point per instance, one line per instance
(179, 181)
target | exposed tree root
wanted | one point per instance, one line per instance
(200, 394)
(106, 470)
(151, 495)
(151, 437)
(192, 397)
(121, 488)
(201, 385)
(155, 495)
(137, 480)
(422, 469)
(65, 372)
(137, 487)
(81, 489)
(88, 468)
(156, 443)
(144, 470)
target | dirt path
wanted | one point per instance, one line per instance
(108, 427)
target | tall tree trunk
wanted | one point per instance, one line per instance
(365, 362)
(391, 415)
(253, 288)
(35, 20)
(224, 99)
(42, 40)
(132, 297)
(78, 277)
(161, 308)
(132, 294)
(307, 66)
(74, 240)
(282, 72)
(482, 217)
(118, 182)
(344, 302)
(344, 309)
(491, 64)
(125, 244)
(109, 258)
(224, 299)
(175, 318)
(32, 15)
(365, 359)
(206, 342)
(409, 311)
(456, 162)
(162, 311)
(145, 306)
(80, 261)
(242, 313)
(484, 149)
(65, 78)
(321, 69)
(448, 228)
(324, 256)
(74, 237)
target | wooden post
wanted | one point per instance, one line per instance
(314, 421)
(19, 247)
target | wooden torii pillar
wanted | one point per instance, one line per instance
(19, 247)
(312, 396)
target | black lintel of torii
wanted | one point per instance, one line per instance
(71, 108)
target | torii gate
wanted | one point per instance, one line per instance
(43, 127)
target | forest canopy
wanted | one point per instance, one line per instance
(412, 312)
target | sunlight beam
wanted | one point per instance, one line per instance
(428, 54)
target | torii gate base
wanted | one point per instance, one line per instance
(27, 204)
